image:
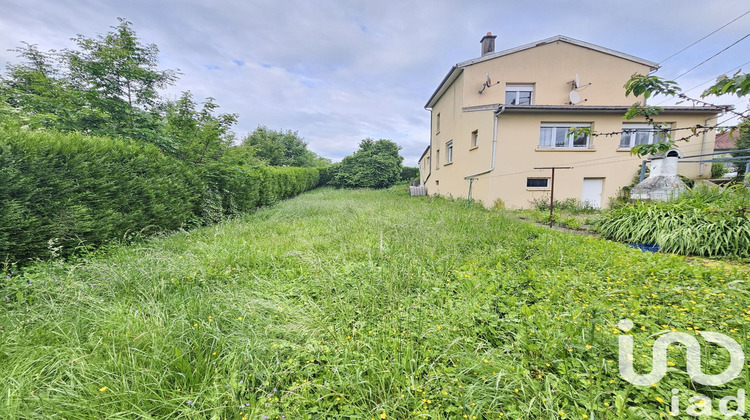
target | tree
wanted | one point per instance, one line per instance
(193, 135)
(377, 164)
(743, 142)
(108, 86)
(119, 76)
(282, 148)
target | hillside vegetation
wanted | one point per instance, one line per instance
(357, 304)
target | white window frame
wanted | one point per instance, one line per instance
(630, 131)
(569, 138)
(449, 152)
(517, 89)
(545, 187)
(474, 139)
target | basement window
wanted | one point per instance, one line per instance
(537, 183)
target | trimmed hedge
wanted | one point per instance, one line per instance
(62, 191)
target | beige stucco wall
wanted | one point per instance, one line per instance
(551, 68)
(518, 132)
(518, 153)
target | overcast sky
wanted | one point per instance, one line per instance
(338, 71)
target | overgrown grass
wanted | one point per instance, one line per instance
(357, 304)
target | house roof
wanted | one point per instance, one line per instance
(424, 153)
(457, 69)
(725, 142)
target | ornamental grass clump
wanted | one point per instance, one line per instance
(706, 221)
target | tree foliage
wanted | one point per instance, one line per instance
(648, 85)
(194, 135)
(377, 164)
(282, 148)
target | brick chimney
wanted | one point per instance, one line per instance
(488, 43)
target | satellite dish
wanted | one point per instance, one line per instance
(575, 98)
(577, 82)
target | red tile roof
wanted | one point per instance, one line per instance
(724, 141)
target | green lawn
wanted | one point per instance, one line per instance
(359, 304)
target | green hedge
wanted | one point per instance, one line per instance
(61, 191)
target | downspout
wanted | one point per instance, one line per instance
(494, 144)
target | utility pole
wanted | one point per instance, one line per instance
(552, 189)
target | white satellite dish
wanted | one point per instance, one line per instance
(577, 82)
(575, 98)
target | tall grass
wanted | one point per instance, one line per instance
(705, 221)
(354, 304)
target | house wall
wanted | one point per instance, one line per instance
(518, 132)
(551, 68)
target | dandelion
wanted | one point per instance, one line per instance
(102, 389)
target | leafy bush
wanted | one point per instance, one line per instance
(409, 173)
(705, 221)
(717, 170)
(377, 164)
(569, 204)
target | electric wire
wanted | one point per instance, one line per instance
(678, 52)
(713, 56)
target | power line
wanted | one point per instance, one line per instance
(713, 56)
(733, 20)
(707, 81)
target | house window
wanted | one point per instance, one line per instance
(537, 183)
(519, 94)
(559, 136)
(475, 139)
(437, 123)
(449, 152)
(437, 159)
(637, 134)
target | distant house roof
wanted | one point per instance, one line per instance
(457, 69)
(724, 141)
(425, 152)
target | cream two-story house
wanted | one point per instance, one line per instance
(496, 118)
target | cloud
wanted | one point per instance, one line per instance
(338, 71)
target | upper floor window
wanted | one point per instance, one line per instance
(634, 134)
(449, 152)
(437, 123)
(560, 136)
(519, 94)
(475, 139)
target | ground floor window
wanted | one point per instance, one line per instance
(563, 136)
(539, 183)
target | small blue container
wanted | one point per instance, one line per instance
(645, 247)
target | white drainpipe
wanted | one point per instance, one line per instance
(494, 145)
(703, 147)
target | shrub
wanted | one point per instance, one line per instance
(705, 221)
(717, 170)
(70, 189)
(376, 164)
(63, 191)
(409, 173)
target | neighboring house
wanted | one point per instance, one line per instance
(497, 117)
(726, 143)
